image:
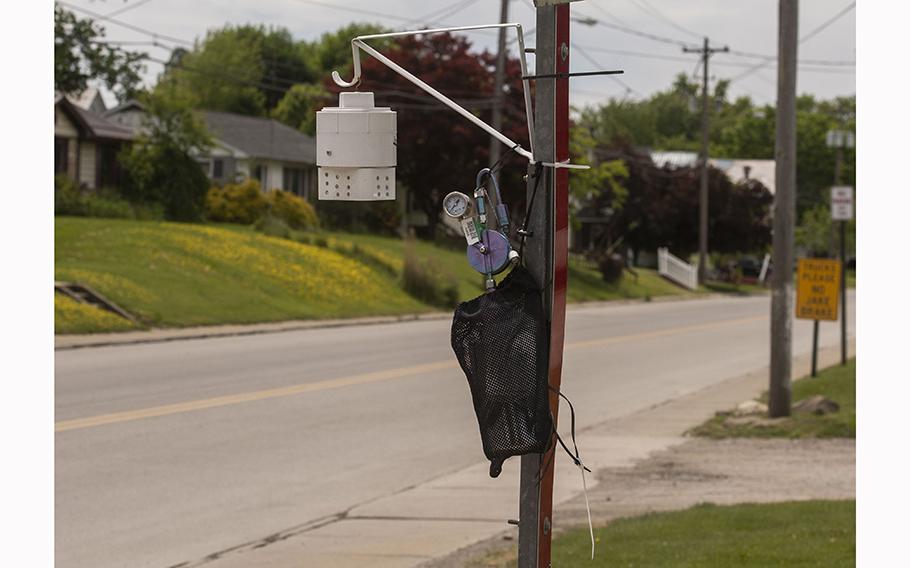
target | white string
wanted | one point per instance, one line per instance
(584, 484)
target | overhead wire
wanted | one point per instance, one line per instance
(755, 68)
(581, 51)
(127, 8)
(647, 8)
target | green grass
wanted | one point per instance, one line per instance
(586, 284)
(792, 534)
(71, 316)
(836, 383)
(177, 274)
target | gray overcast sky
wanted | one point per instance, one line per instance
(744, 25)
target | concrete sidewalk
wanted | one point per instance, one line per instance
(438, 523)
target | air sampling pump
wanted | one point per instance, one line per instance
(489, 250)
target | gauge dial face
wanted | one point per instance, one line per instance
(456, 204)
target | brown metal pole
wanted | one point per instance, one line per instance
(547, 258)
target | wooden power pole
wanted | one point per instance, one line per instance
(546, 255)
(784, 212)
(499, 80)
(706, 51)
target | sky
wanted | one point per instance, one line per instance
(747, 27)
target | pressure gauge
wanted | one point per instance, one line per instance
(457, 205)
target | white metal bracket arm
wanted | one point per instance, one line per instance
(359, 43)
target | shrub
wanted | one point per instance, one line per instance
(427, 281)
(246, 203)
(273, 227)
(293, 210)
(70, 199)
(235, 203)
(611, 266)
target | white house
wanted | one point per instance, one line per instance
(736, 169)
(277, 155)
(86, 145)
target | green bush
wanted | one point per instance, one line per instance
(70, 199)
(235, 202)
(246, 203)
(273, 227)
(428, 281)
(293, 210)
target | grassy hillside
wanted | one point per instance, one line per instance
(176, 274)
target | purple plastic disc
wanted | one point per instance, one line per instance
(497, 256)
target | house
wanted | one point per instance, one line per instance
(737, 170)
(86, 144)
(277, 155)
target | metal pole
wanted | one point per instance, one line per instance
(784, 212)
(814, 347)
(843, 292)
(496, 118)
(546, 255)
(703, 189)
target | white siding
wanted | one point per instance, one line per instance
(276, 176)
(87, 163)
(63, 126)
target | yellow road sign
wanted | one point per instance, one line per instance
(818, 284)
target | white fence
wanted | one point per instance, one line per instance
(676, 269)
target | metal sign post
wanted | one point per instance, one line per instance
(547, 258)
(842, 210)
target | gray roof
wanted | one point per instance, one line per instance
(261, 137)
(94, 125)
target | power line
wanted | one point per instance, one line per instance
(446, 11)
(647, 8)
(805, 38)
(665, 57)
(127, 8)
(126, 25)
(639, 33)
(827, 23)
(597, 64)
(844, 63)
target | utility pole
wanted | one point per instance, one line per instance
(706, 51)
(496, 119)
(784, 212)
(546, 256)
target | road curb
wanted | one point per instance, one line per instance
(161, 335)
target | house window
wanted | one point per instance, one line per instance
(217, 168)
(260, 172)
(60, 155)
(294, 181)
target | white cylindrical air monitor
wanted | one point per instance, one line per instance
(356, 150)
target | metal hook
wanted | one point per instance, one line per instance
(356, 79)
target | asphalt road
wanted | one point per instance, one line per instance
(169, 452)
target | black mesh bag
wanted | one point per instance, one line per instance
(502, 344)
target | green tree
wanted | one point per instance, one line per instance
(298, 107)
(159, 165)
(223, 72)
(332, 51)
(80, 56)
